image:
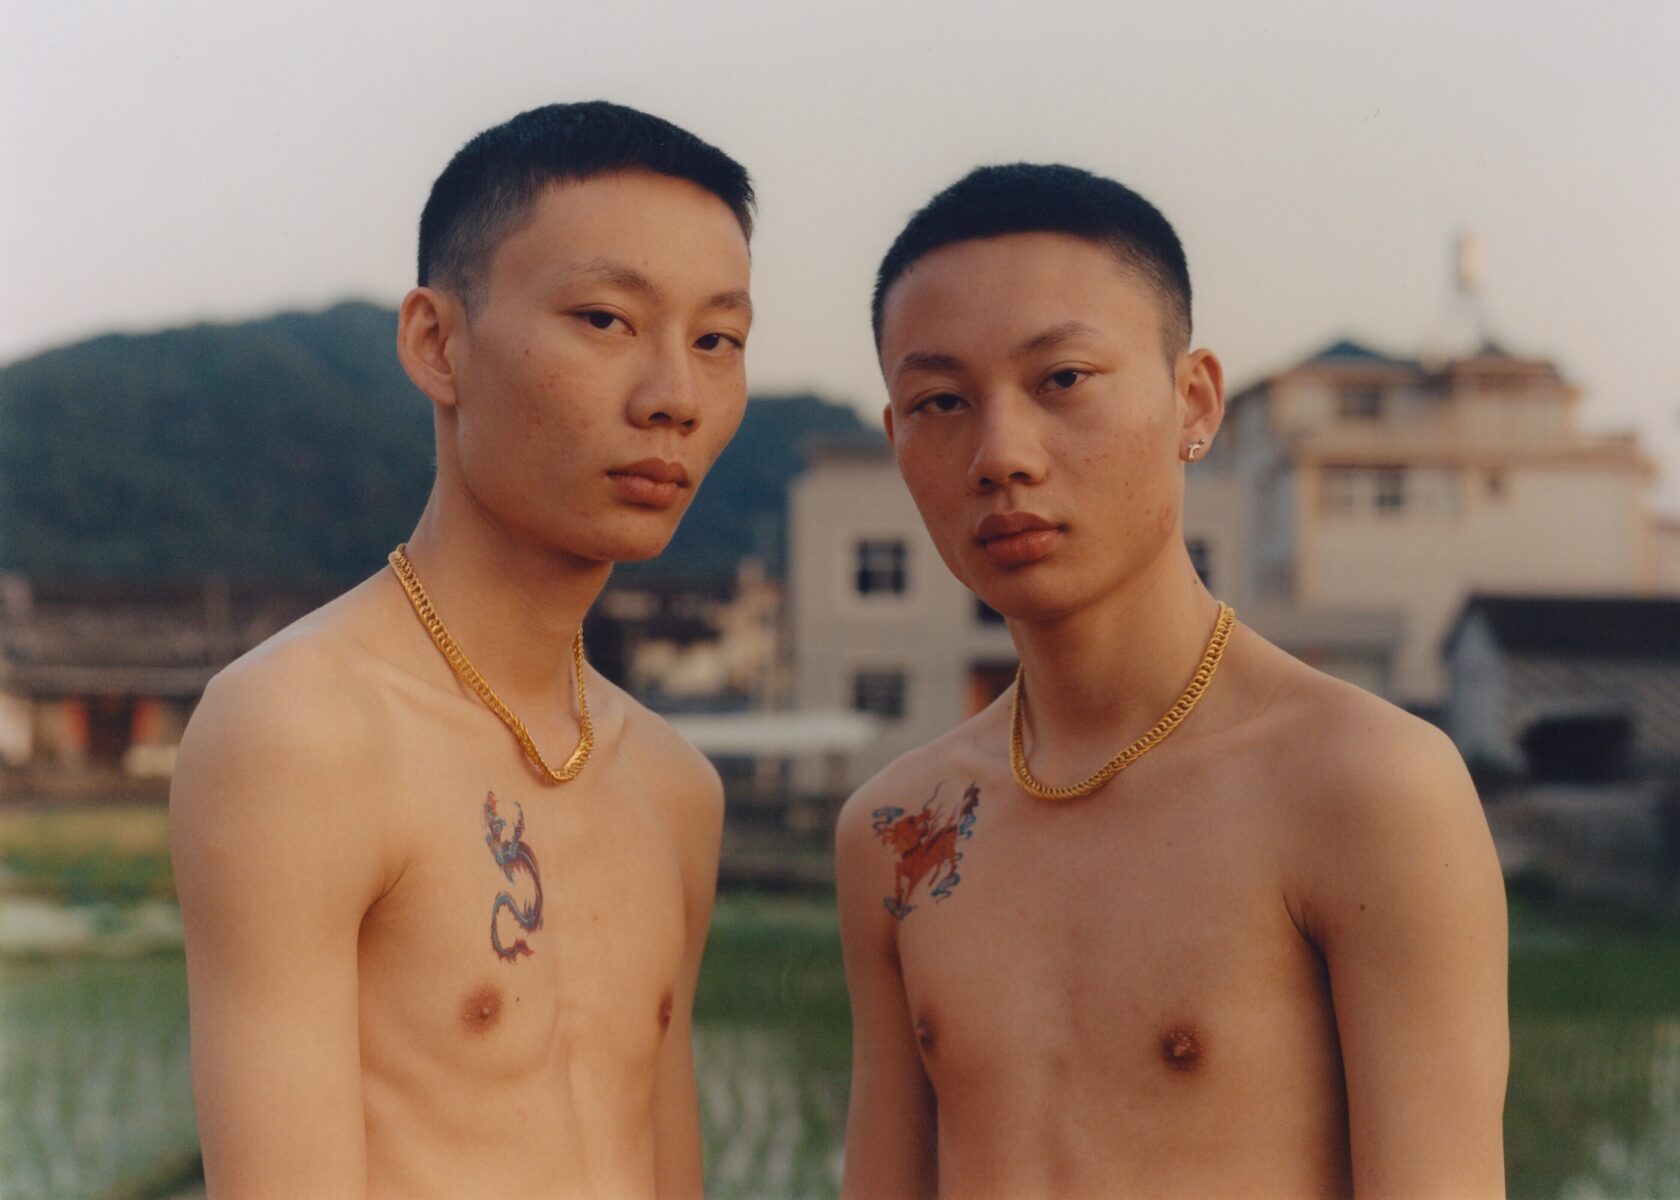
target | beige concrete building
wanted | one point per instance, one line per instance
(878, 624)
(1360, 491)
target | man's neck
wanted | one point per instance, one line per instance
(512, 607)
(1098, 678)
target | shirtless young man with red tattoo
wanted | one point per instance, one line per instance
(433, 950)
(1177, 915)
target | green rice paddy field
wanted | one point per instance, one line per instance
(95, 1096)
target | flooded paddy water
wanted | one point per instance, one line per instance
(95, 1086)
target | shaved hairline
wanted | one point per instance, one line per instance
(1174, 322)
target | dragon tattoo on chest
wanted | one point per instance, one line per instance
(512, 855)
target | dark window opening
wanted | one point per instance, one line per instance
(880, 568)
(879, 692)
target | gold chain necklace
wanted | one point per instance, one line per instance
(469, 674)
(1154, 737)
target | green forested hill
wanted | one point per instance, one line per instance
(292, 448)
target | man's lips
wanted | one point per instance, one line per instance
(652, 482)
(1015, 538)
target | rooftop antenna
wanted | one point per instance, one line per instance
(1463, 331)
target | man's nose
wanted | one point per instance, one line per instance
(1009, 449)
(668, 392)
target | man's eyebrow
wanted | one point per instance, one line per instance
(630, 279)
(624, 276)
(923, 360)
(736, 299)
(1052, 337)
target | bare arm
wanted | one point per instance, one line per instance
(1405, 899)
(271, 847)
(678, 1161)
(890, 1125)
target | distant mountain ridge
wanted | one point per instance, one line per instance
(293, 448)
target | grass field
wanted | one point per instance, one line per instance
(87, 855)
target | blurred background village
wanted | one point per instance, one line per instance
(1435, 500)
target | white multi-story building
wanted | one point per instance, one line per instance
(1357, 483)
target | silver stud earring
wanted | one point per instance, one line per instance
(1195, 449)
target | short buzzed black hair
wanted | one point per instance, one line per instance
(994, 201)
(489, 187)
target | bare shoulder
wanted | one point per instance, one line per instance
(281, 737)
(291, 717)
(1353, 752)
(1369, 795)
(684, 780)
(305, 681)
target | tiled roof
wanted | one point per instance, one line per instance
(1347, 350)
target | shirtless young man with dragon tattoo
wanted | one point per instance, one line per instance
(1260, 951)
(422, 960)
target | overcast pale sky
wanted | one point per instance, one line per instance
(175, 161)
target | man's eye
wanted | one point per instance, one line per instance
(944, 402)
(1064, 379)
(718, 341)
(599, 319)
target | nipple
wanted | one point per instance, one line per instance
(481, 1009)
(925, 1034)
(1181, 1049)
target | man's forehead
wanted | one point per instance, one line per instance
(1015, 293)
(635, 232)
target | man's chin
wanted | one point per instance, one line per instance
(628, 548)
(1027, 596)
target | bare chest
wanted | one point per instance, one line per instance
(533, 928)
(1132, 949)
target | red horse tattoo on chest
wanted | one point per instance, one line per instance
(926, 845)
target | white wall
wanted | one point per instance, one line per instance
(1552, 531)
(1476, 697)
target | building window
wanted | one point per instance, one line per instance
(1389, 490)
(1340, 493)
(879, 692)
(1361, 404)
(986, 614)
(880, 568)
(1201, 560)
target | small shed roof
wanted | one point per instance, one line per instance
(1641, 627)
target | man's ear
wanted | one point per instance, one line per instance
(427, 323)
(886, 422)
(1200, 383)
